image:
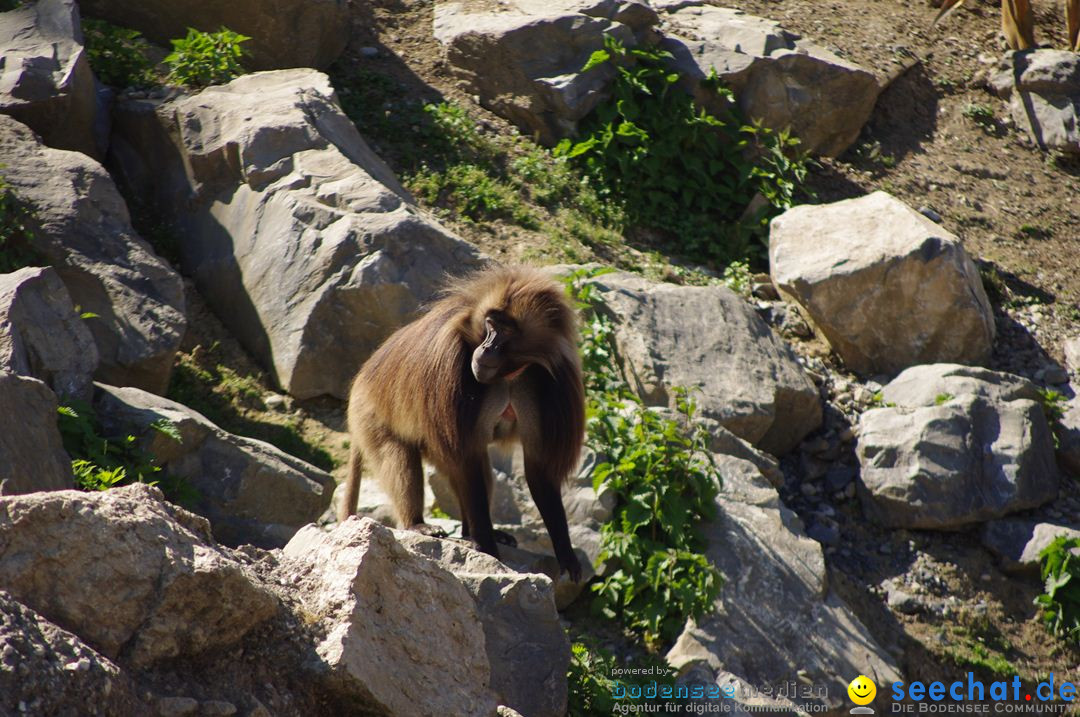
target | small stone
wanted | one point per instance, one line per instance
(80, 665)
(369, 53)
(1055, 374)
(217, 708)
(930, 214)
(903, 602)
(177, 706)
(838, 477)
(274, 401)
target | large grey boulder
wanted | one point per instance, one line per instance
(173, 591)
(523, 58)
(709, 340)
(284, 33)
(777, 78)
(954, 445)
(32, 456)
(886, 286)
(83, 229)
(1017, 542)
(1043, 89)
(45, 77)
(42, 336)
(47, 670)
(250, 491)
(297, 235)
(526, 645)
(400, 634)
(776, 614)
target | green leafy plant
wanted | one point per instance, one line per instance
(100, 462)
(942, 398)
(737, 277)
(118, 54)
(1059, 566)
(666, 483)
(16, 234)
(206, 58)
(676, 167)
(981, 115)
(1053, 405)
(591, 689)
(589, 683)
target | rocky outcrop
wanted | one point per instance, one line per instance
(1017, 542)
(775, 615)
(32, 458)
(427, 634)
(526, 645)
(779, 79)
(250, 491)
(45, 77)
(42, 336)
(709, 340)
(47, 670)
(298, 236)
(887, 287)
(83, 229)
(284, 33)
(1043, 89)
(952, 446)
(523, 59)
(127, 573)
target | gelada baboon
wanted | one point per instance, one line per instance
(1018, 25)
(495, 359)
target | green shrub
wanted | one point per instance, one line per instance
(1060, 569)
(101, 462)
(591, 689)
(206, 58)
(665, 483)
(118, 54)
(16, 234)
(589, 683)
(473, 193)
(674, 166)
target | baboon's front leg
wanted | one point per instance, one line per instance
(1017, 22)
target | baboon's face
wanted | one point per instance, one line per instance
(494, 358)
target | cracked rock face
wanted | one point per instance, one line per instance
(301, 240)
(954, 445)
(391, 620)
(1043, 89)
(173, 591)
(82, 228)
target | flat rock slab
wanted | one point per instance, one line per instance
(887, 287)
(776, 620)
(83, 229)
(301, 240)
(954, 445)
(709, 340)
(250, 491)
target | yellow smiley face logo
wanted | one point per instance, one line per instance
(861, 690)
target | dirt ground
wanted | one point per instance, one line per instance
(937, 139)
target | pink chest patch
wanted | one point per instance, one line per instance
(508, 413)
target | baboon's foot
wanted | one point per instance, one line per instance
(432, 531)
